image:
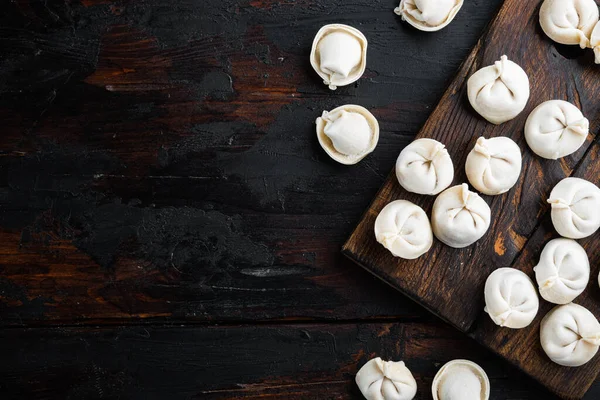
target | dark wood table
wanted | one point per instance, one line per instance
(169, 225)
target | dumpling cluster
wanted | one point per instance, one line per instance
(569, 21)
(575, 208)
(461, 380)
(428, 15)
(386, 380)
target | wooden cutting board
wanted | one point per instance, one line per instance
(450, 282)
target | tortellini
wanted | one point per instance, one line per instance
(348, 133)
(499, 92)
(404, 229)
(595, 42)
(339, 55)
(386, 380)
(555, 129)
(569, 21)
(425, 167)
(563, 271)
(570, 335)
(461, 380)
(510, 298)
(460, 217)
(575, 208)
(494, 165)
(428, 15)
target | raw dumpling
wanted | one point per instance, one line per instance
(499, 92)
(569, 21)
(339, 54)
(510, 298)
(494, 165)
(595, 42)
(555, 129)
(570, 335)
(348, 133)
(575, 208)
(563, 271)
(425, 167)
(461, 380)
(404, 229)
(386, 380)
(460, 217)
(428, 15)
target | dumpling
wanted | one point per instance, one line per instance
(386, 380)
(428, 15)
(575, 208)
(569, 21)
(425, 167)
(348, 133)
(460, 217)
(499, 92)
(404, 229)
(563, 271)
(494, 165)
(510, 298)
(595, 42)
(555, 129)
(461, 380)
(339, 54)
(570, 335)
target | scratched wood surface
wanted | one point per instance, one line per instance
(450, 282)
(166, 211)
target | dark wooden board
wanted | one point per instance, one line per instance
(447, 281)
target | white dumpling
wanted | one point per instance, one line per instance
(510, 298)
(404, 229)
(428, 15)
(339, 54)
(494, 165)
(499, 92)
(424, 167)
(461, 380)
(570, 335)
(555, 129)
(595, 42)
(348, 133)
(386, 380)
(460, 217)
(575, 208)
(563, 271)
(569, 21)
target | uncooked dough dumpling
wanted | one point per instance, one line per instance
(348, 133)
(386, 380)
(425, 167)
(575, 208)
(494, 165)
(569, 21)
(563, 271)
(595, 42)
(404, 229)
(499, 92)
(339, 54)
(570, 335)
(460, 217)
(461, 380)
(555, 129)
(510, 298)
(428, 15)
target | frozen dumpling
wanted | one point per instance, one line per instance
(569, 21)
(425, 167)
(563, 271)
(595, 42)
(570, 335)
(499, 92)
(404, 229)
(386, 380)
(460, 217)
(461, 380)
(556, 129)
(494, 165)
(348, 133)
(339, 55)
(575, 208)
(428, 15)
